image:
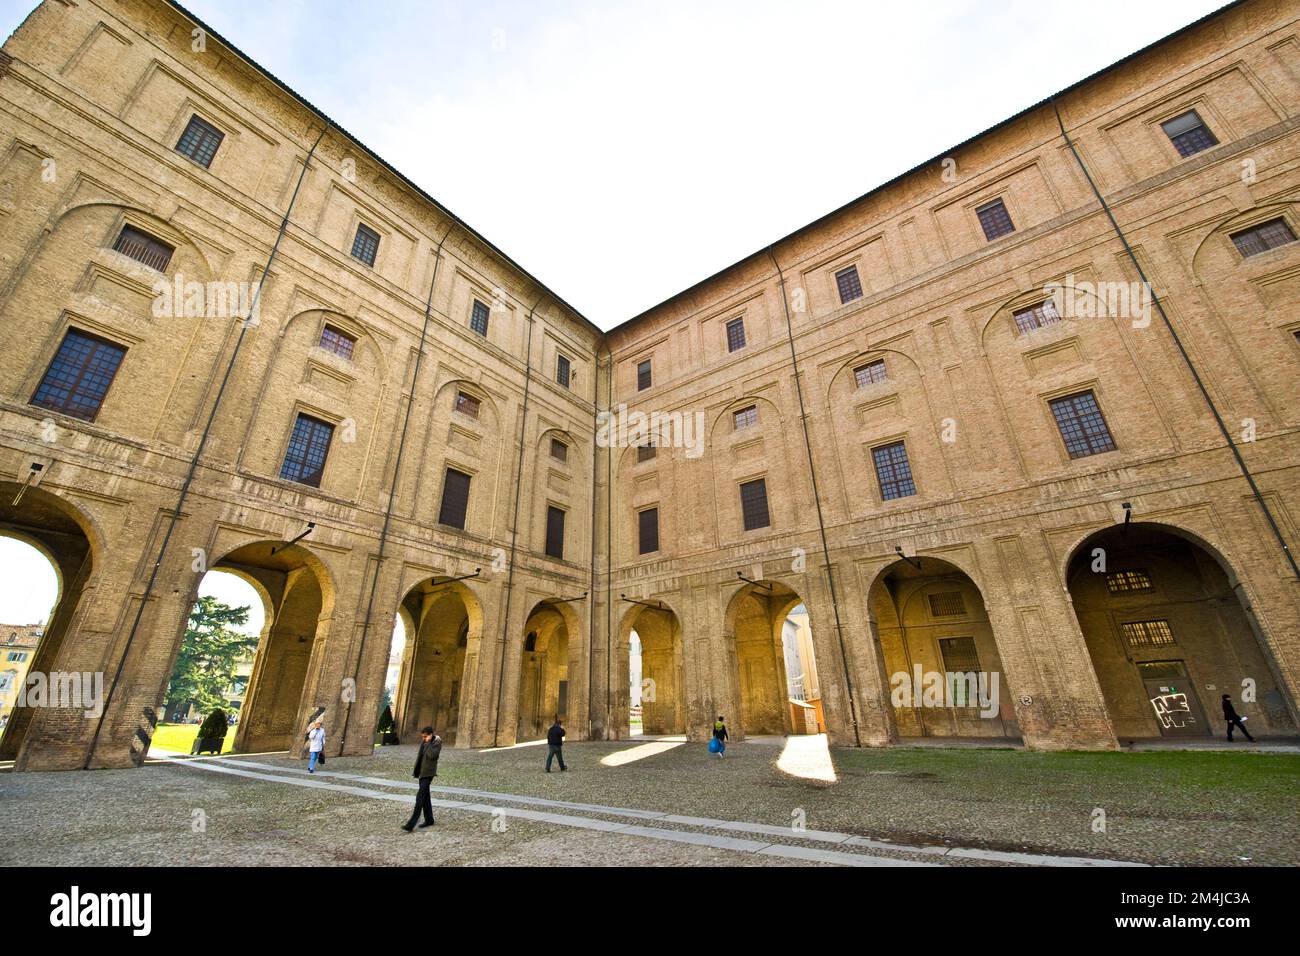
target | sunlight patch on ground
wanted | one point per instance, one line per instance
(807, 756)
(526, 743)
(639, 752)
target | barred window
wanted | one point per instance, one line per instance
(1188, 133)
(559, 450)
(893, 471)
(455, 499)
(340, 343)
(646, 451)
(366, 245)
(309, 445)
(563, 370)
(1120, 582)
(144, 248)
(745, 417)
(871, 372)
(554, 532)
(1083, 429)
(947, 604)
(1262, 238)
(735, 335)
(1037, 316)
(1146, 633)
(648, 530)
(643, 376)
(960, 657)
(79, 375)
(994, 219)
(467, 404)
(200, 141)
(753, 504)
(478, 319)
(849, 284)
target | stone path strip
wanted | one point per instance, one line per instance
(298, 777)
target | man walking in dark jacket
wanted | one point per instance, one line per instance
(426, 768)
(555, 745)
(1234, 721)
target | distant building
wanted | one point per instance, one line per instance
(17, 648)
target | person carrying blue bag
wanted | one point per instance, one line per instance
(718, 743)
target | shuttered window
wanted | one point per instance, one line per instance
(643, 376)
(467, 404)
(648, 530)
(455, 499)
(554, 532)
(753, 504)
(947, 604)
(144, 248)
(309, 445)
(79, 375)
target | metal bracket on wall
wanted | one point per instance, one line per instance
(757, 584)
(914, 562)
(311, 526)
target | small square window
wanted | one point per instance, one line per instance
(1123, 582)
(144, 248)
(1189, 134)
(365, 247)
(467, 404)
(478, 319)
(340, 343)
(559, 450)
(753, 504)
(735, 335)
(893, 471)
(1147, 633)
(849, 285)
(871, 372)
(1262, 238)
(1037, 316)
(1083, 429)
(563, 370)
(994, 219)
(644, 378)
(647, 530)
(745, 417)
(645, 452)
(200, 141)
(947, 604)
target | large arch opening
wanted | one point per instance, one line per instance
(773, 665)
(1169, 632)
(543, 671)
(945, 671)
(442, 622)
(651, 636)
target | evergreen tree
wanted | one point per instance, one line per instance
(205, 667)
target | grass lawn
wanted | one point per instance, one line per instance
(180, 737)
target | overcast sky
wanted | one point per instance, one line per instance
(622, 152)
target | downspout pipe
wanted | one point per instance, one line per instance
(198, 453)
(514, 530)
(392, 488)
(595, 537)
(817, 499)
(1187, 359)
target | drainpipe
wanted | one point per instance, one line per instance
(514, 530)
(821, 523)
(1187, 359)
(198, 453)
(392, 488)
(591, 628)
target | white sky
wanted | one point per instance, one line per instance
(623, 151)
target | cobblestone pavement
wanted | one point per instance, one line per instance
(665, 803)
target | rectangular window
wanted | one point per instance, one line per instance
(1120, 582)
(947, 604)
(753, 504)
(563, 369)
(1147, 633)
(1261, 238)
(1037, 316)
(893, 471)
(871, 372)
(78, 377)
(554, 532)
(200, 141)
(648, 530)
(144, 248)
(309, 445)
(850, 286)
(643, 376)
(1188, 133)
(340, 343)
(994, 219)
(1082, 427)
(478, 319)
(467, 404)
(645, 452)
(745, 417)
(455, 499)
(366, 245)
(960, 657)
(735, 335)
(559, 450)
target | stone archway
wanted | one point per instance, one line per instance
(661, 690)
(1169, 632)
(544, 670)
(755, 623)
(444, 625)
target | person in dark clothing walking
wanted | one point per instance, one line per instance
(1234, 721)
(720, 735)
(555, 745)
(426, 768)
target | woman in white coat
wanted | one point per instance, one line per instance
(315, 746)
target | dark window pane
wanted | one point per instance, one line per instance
(1261, 238)
(959, 654)
(366, 245)
(467, 404)
(554, 532)
(562, 369)
(947, 604)
(455, 499)
(143, 247)
(1188, 133)
(745, 417)
(893, 471)
(643, 378)
(78, 377)
(994, 219)
(871, 372)
(753, 504)
(1035, 317)
(645, 452)
(340, 343)
(735, 335)
(478, 320)
(849, 284)
(304, 461)
(559, 450)
(648, 530)
(200, 141)
(1082, 428)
